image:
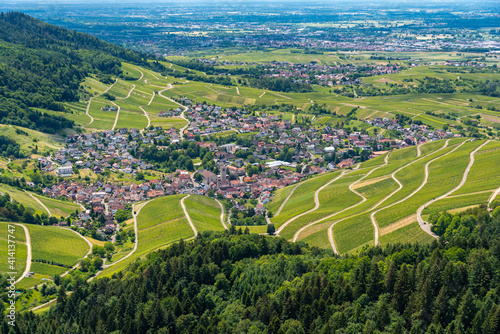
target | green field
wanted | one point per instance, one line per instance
(395, 204)
(56, 244)
(58, 207)
(204, 213)
(160, 223)
(407, 234)
(18, 239)
(22, 197)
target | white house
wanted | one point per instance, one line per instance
(65, 171)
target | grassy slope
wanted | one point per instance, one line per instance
(204, 213)
(20, 249)
(57, 207)
(160, 223)
(22, 197)
(56, 244)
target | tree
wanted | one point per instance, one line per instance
(271, 229)
(109, 247)
(298, 169)
(97, 262)
(121, 216)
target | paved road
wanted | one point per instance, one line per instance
(152, 97)
(187, 216)
(425, 225)
(363, 199)
(393, 175)
(493, 196)
(130, 92)
(142, 74)
(87, 112)
(330, 229)
(90, 101)
(136, 242)
(182, 106)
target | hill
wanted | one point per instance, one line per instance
(231, 283)
(380, 202)
(42, 66)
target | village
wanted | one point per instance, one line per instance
(277, 154)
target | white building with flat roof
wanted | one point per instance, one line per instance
(65, 171)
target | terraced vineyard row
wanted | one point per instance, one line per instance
(383, 201)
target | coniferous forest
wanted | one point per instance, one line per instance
(241, 283)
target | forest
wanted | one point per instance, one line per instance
(235, 282)
(42, 66)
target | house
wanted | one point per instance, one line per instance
(346, 163)
(208, 176)
(65, 171)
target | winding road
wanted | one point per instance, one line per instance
(182, 106)
(363, 199)
(187, 216)
(142, 74)
(372, 216)
(147, 116)
(136, 241)
(40, 202)
(493, 196)
(28, 253)
(90, 101)
(425, 226)
(316, 201)
(221, 214)
(152, 97)
(117, 115)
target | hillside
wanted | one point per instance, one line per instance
(42, 66)
(233, 283)
(385, 201)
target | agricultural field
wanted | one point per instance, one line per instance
(58, 207)
(59, 248)
(160, 222)
(57, 244)
(20, 248)
(204, 213)
(22, 197)
(368, 205)
(143, 87)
